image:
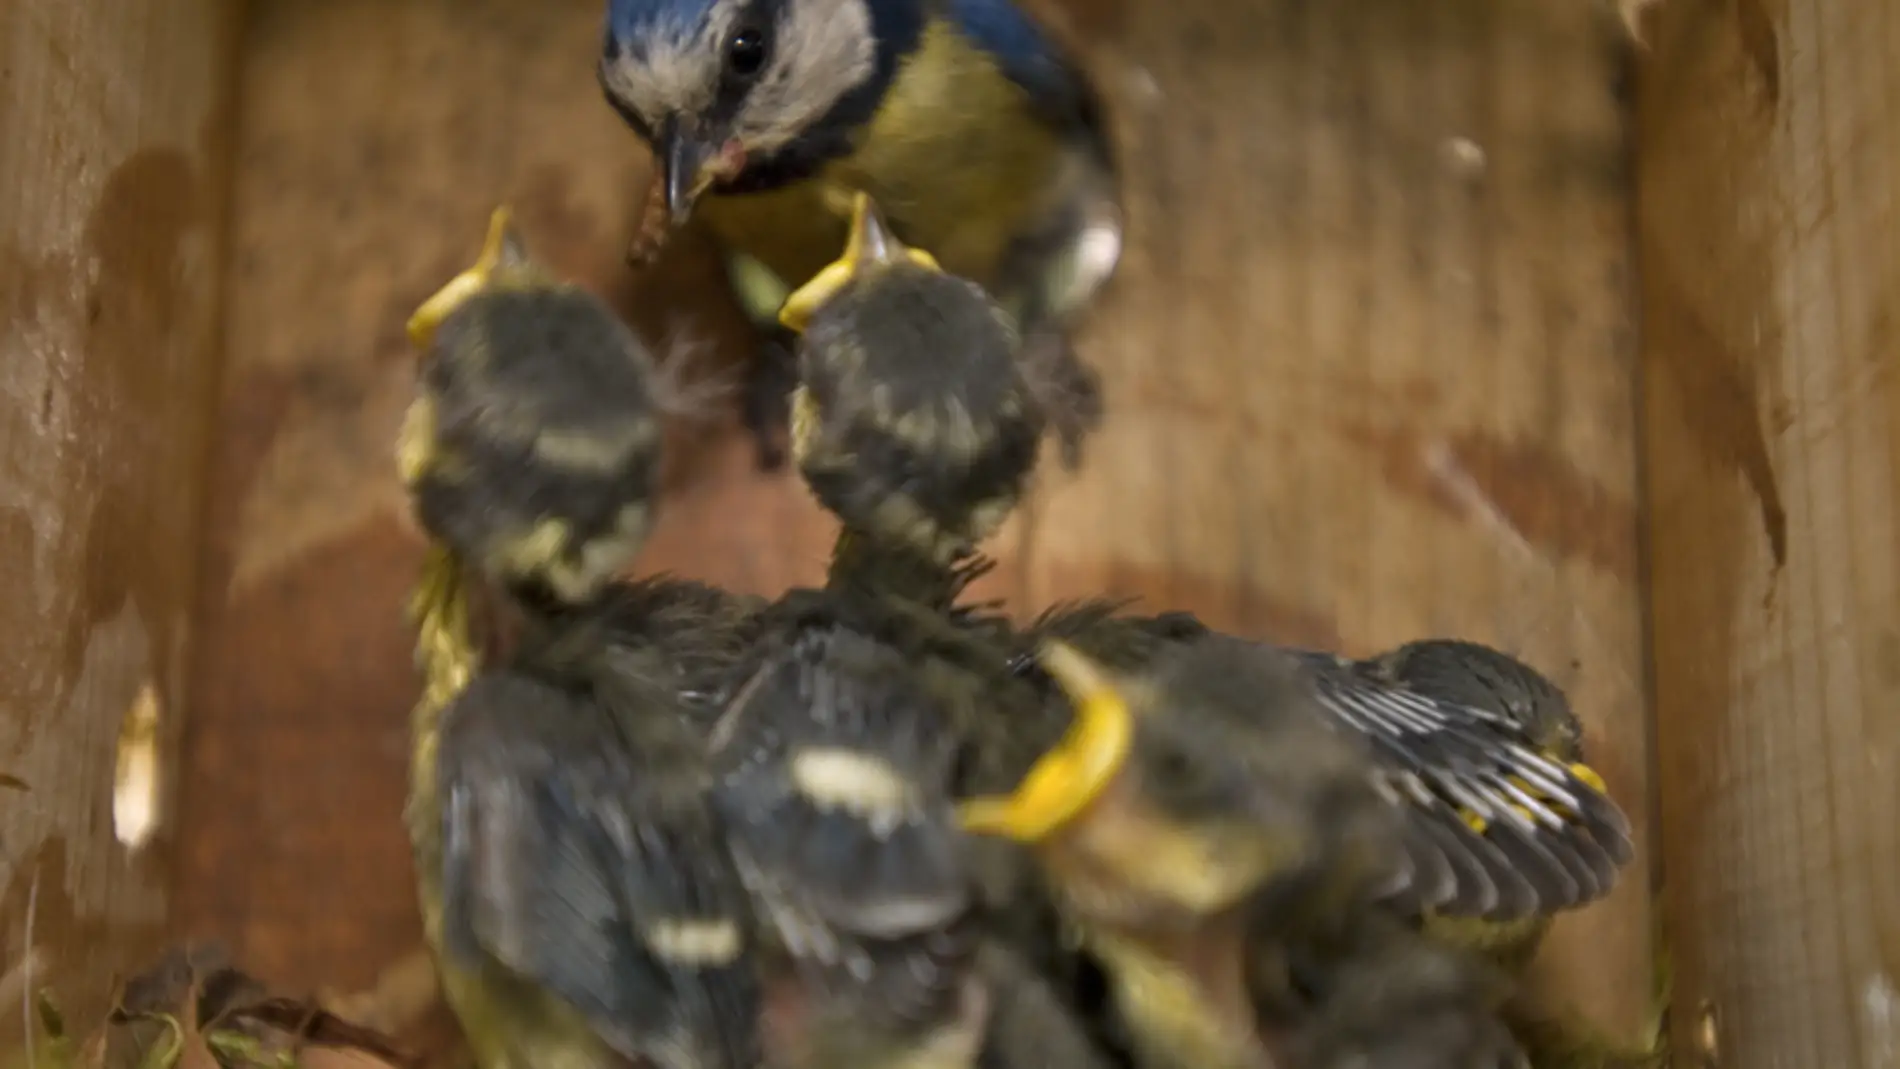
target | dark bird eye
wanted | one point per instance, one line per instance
(745, 52)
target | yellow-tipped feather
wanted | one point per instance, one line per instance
(1069, 777)
(870, 242)
(439, 610)
(804, 423)
(1589, 776)
(465, 285)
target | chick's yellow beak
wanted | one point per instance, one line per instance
(870, 243)
(500, 244)
(1064, 781)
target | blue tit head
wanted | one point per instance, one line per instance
(1182, 788)
(750, 94)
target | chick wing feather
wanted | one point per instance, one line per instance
(591, 869)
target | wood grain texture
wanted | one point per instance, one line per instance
(1770, 148)
(1370, 367)
(1371, 359)
(113, 132)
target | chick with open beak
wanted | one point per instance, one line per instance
(1189, 804)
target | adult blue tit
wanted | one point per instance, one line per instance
(981, 139)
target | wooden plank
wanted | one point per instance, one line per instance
(113, 141)
(1371, 360)
(1771, 260)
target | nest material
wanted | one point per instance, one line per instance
(654, 226)
(193, 1010)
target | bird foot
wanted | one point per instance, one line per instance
(766, 406)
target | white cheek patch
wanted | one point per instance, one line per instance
(824, 49)
(673, 70)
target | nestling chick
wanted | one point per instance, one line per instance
(835, 760)
(1501, 829)
(1500, 823)
(1490, 681)
(697, 634)
(983, 142)
(1486, 825)
(1188, 803)
(1379, 995)
(572, 883)
(914, 426)
(587, 911)
(1479, 677)
(912, 422)
(534, 444)
(1030, 1026)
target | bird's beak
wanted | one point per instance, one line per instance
(690, 164)
(501, 246)
(870, 243)
(1064, 781)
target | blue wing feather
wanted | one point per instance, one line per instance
(1027, 56)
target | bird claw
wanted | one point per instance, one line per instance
(766, 406)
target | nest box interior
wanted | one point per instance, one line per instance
(1447, 317)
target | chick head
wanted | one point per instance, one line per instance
(533, 446)
(1185, 787)
(502, 264)
(912, 420)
